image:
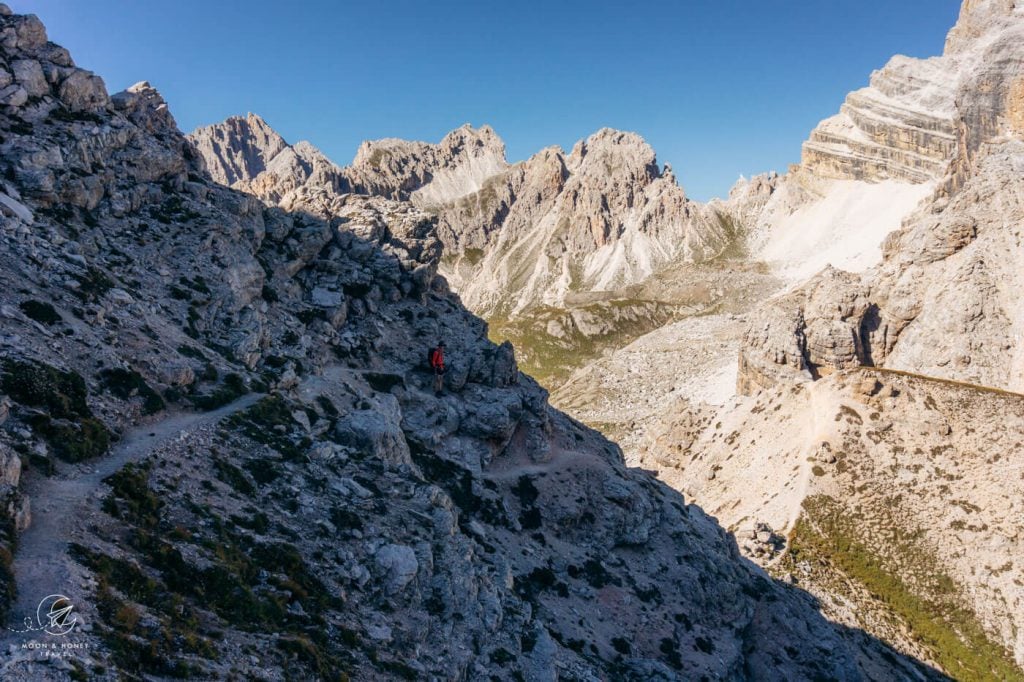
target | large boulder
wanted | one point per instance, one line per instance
(83, 91)
(23, 33)
(399, 566)
(376, 432)
(808, 332)
(29, 75)
(10, 467)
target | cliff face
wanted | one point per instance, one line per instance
(919, 115)
(899, 127)
(942, 301)
(343, 519)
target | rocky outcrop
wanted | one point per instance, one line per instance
(807, 333)
(350, 522)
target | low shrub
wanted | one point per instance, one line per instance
(232, 388)
(126, 383)
(40, 311)
(73, 441)
(39, 385)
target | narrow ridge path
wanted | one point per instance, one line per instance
(41, 563)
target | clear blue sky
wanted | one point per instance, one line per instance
(717, 87)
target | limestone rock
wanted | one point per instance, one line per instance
(83, 91)
(248, 154)
(399, 564)
(29, 75)
(901, 126)
(376, 432)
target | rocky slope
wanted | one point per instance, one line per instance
(349, 523)
(888, 495)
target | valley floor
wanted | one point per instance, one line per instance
(692, 360)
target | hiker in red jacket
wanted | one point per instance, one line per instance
(437, 364)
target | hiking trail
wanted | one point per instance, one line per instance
(41, 563)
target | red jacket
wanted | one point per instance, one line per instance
(437, 358)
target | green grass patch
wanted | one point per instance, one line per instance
(247, 583)
(73, 441)
(158, 647)
(270, 422)
(934, 610)
(93, 284)
(551, 358)
(131, 499)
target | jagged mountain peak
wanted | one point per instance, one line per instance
(612, 158)
(474, 140)
(239, 148)
(614, 136)
(612, 141)
(250, 123)
(464, 141)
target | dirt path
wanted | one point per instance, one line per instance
(41, 564)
